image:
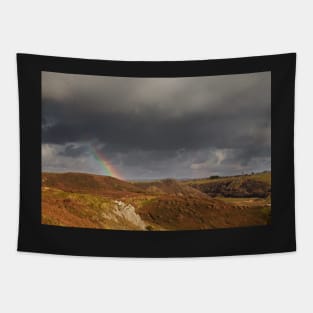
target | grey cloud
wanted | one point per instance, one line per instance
(160, 126)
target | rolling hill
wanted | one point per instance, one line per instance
(95, 201)
(241, 186)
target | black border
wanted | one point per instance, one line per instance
(278, 237)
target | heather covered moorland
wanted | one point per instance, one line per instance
(95, 201)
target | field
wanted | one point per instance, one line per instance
(103, 202)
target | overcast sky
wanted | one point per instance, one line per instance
(151, 128)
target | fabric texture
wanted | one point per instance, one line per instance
(156, 159)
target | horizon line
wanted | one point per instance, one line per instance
(164, 178)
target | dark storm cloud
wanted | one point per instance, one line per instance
(157, 122)
(73, 150)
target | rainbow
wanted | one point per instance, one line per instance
(107, 168)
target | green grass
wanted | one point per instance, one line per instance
(267, 213)
(263, 177)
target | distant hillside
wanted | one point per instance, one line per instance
(169, 186)
(88, 183)
(94, 201)
(241, 186)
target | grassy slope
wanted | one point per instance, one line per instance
(83, 200)
(63, 208)
(265, 177)
(254, 185)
